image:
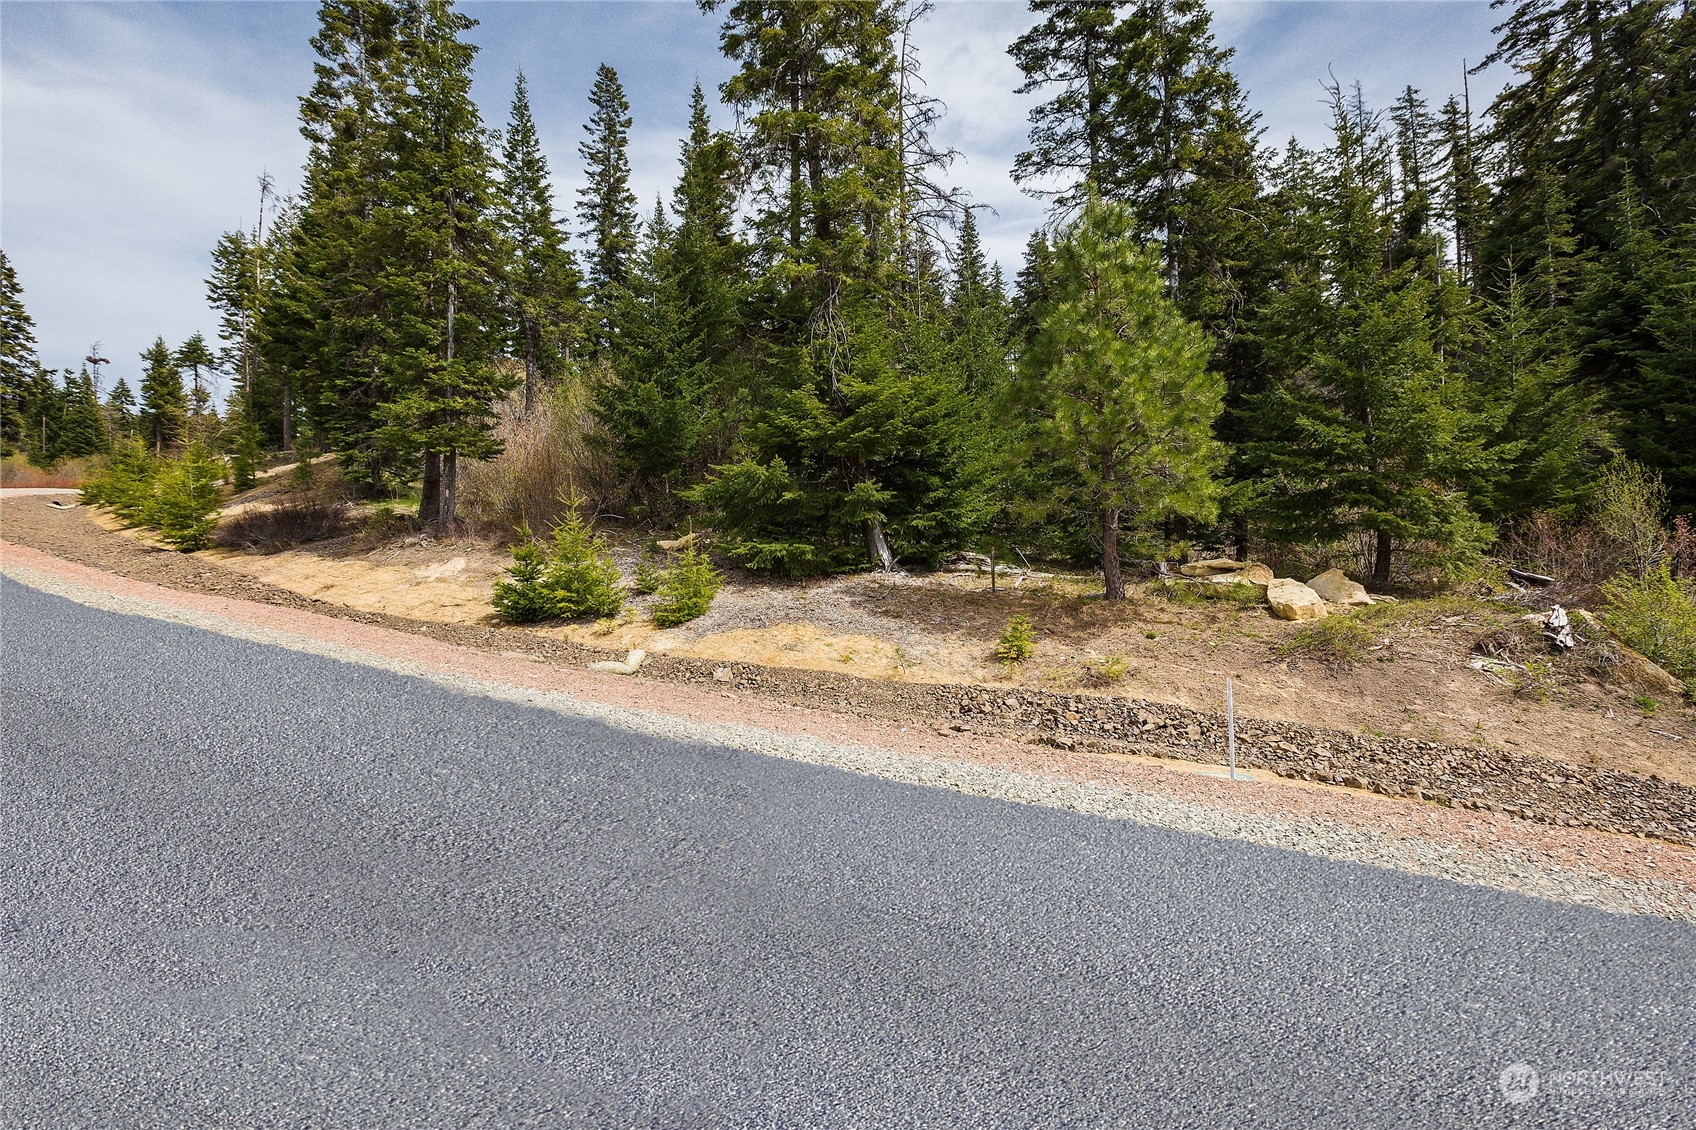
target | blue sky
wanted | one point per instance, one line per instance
(132, 134)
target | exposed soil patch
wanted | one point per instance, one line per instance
(1413, 720)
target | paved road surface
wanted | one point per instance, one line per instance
(246, 886)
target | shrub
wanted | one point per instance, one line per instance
(292, 522)
(1657, 616)
(686, 589)
(580, 575)
(126, 485)
(1337, 641)
(1017, 641)
(545, 455)
(1630, 501)
(647, 579)
(183, 506)
(520, 596)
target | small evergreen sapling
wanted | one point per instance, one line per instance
(580, 575)
(1017, 642)
(184, 504)
(686, 589)
(520, 596)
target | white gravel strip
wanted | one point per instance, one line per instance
(1338, 840)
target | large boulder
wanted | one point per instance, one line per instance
(1224, 571)
(1335, 588)
(1292, 600)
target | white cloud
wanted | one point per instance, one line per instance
(133, 133)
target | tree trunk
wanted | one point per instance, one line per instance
(288, 415)
(450, 491)
(530, 335)
(1381, 561)
(878, 546)
(430, 501)
(1110, 554)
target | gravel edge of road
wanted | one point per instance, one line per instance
(1344, 841)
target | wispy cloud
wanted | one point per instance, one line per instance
(133, 132)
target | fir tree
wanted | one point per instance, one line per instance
(164, 403)
(1363, 428)
(120, 403)
(1117, 383)
(443, 380)
(194, 356)
(605, 205)
(18, 363)
(1074, 52)
(82, 428)
(542, 279)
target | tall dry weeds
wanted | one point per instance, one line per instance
(546, 455)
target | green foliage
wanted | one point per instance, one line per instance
(1630, 503)
(686, 589)
(1648, 705)
(244, 460)
(1017, 641)
(1364, 429)
(605, 204)
(521, 597)
(757, 510)
(647, 579)
(164, 404)
(126, 484)
(1657, 616)
(1336, 641)
(580, 577)
(185, 500)
(177, 497)
(1116, 385)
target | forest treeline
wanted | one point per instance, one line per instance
(1446, 320)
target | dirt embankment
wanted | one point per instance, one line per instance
(1588, 764)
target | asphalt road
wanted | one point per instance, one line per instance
(244, 886)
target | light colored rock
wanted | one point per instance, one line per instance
(632, 663)
(1335, 588)
(678, 545)
(1239, 572)
(1292, 600)
(1637, 672)
(1212, 567)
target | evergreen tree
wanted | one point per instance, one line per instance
(194, 356)
(18, 364)
(605, 204)
(1074, 51)
(329, 320)
(680, 325)
(1363, 429)
(164, 403)
(1117, 383)
(542, 280)
(853, 431)
(120, 404)
(443, 379)
(82, 428)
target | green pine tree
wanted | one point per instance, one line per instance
(1117, 383)
(164, 402)
(543, 284)
(605, 205)
(18, 364)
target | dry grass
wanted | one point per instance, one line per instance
(291, 522)
(546, 456)
(16, 471)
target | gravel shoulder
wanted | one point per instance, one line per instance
(1619, 873)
